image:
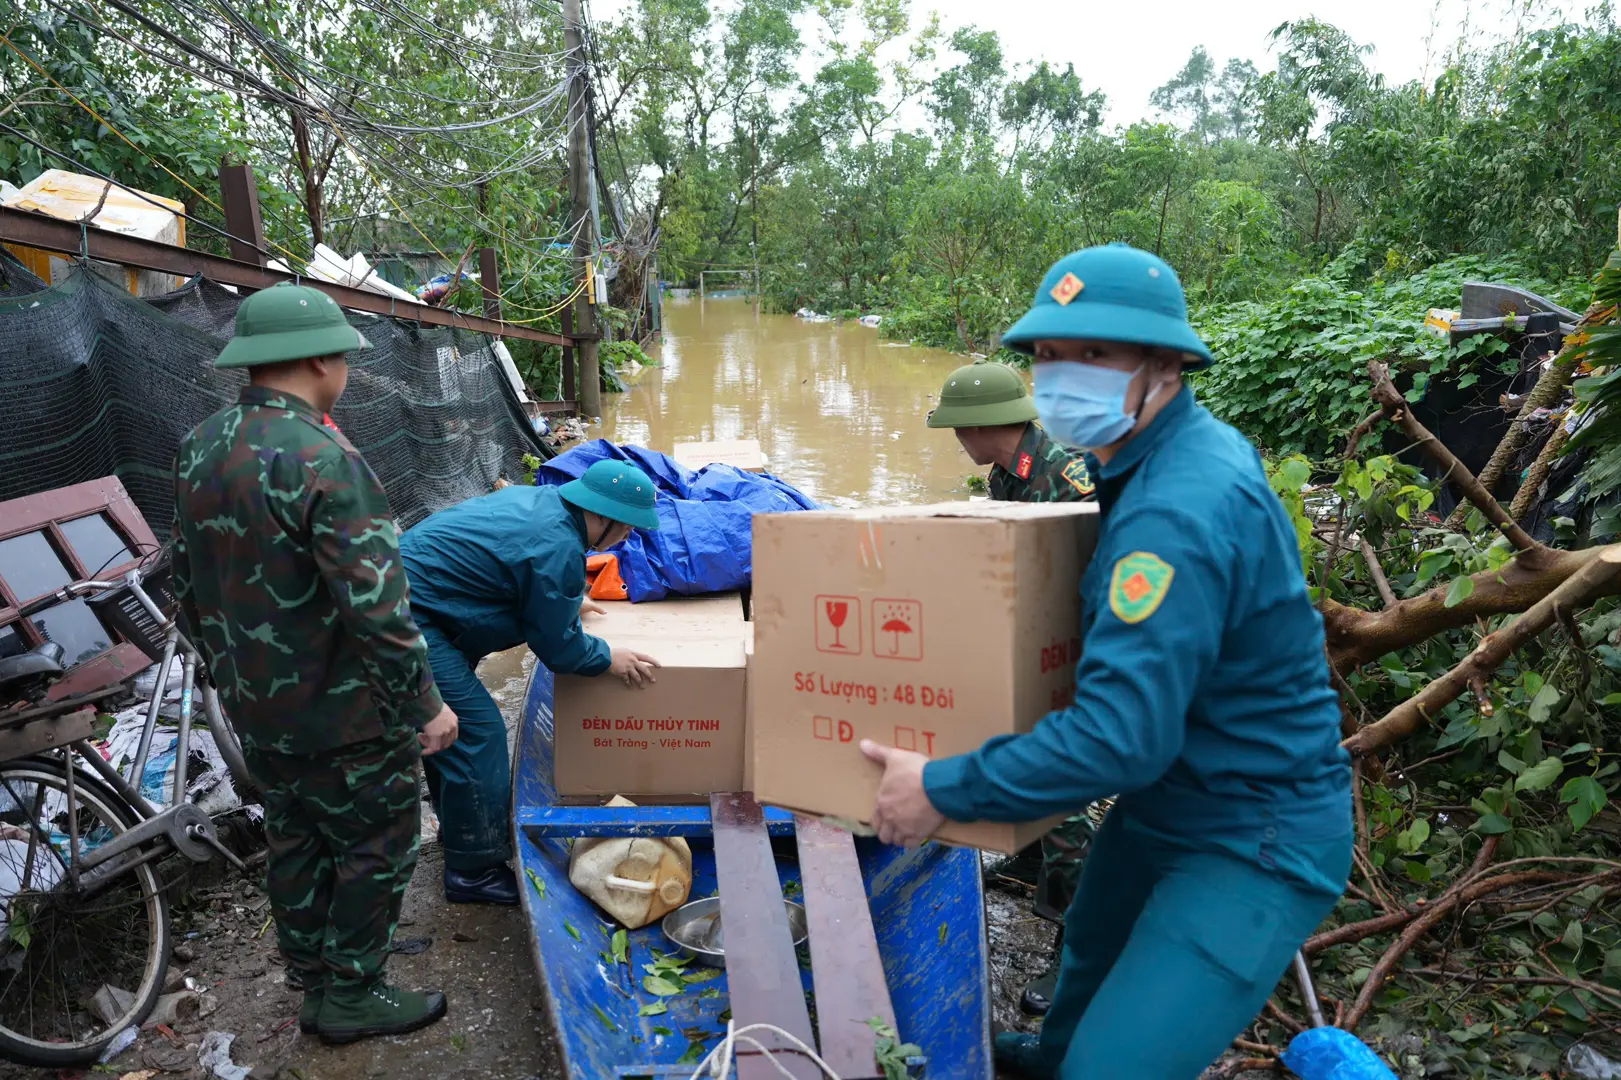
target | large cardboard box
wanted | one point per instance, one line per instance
(679, 739)
(744, 454)
(928, 628)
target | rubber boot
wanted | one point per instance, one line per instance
(1038, 994)
(351, 1013)
(309, 1013)
(1020, 1055)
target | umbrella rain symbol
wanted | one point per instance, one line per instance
(896, 626)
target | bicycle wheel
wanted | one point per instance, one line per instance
(230, 748)
(77, 967)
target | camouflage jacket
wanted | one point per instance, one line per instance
(287, 568)
(1043, 471)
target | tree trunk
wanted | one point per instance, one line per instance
(312, 182)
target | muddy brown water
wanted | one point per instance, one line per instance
(838, 410)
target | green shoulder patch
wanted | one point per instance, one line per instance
(1079, 476)
(1140, 582)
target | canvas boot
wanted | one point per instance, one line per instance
(351, 1013)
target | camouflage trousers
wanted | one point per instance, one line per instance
(1063, 851)
(342, 830)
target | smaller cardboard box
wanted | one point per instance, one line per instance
(743, 454)
(716, 616)
(928, 628)
(679, 739)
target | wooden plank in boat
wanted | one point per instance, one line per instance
(849, 973)
(762, 972)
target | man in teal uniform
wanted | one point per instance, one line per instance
(994, 419)
(494, 573)
(1202, 696)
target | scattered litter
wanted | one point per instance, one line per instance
(414, 946)
(210, 786)
(810, 316)
(111, 1002)
(121, 1042)
(464, 937)
(215, 1057)
(871, 320)
(13, 858)
(894, 344)
(178, 1007)
(144, 1074)
(1582, 1062)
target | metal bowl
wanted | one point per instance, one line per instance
(694, 929)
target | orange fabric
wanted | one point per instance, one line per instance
(602, 572)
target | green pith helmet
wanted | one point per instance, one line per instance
(983, 395)
(288, 322)
(617, 491)
(1114, 292)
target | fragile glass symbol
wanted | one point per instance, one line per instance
(837, 612)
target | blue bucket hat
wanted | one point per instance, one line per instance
(617, 491)
(1111, 293)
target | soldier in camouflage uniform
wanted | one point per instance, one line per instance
(287, 567)
(994, 418)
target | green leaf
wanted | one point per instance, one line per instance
(1542, 704)
(1493, 825)
(572, 932)
(534, 879)
(656, 1008)
(1612, 965)
(664, 1031)
(1511, 764)
(1611, 699)
(1461, 589)
(660, 986)
(1586, 797)
(1578, 750)
(620, 943)
(1418, 871)
(695, 1053)
(1294, 474)
(1539, 776)
(1411, 839)
(1572, 935)
(607, 1021)
(700, 975)
(709, 992)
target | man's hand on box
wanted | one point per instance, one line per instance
(589, 606)
(439, 732)
(903, 815)
(634, 667)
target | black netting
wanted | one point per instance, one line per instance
(94, 382)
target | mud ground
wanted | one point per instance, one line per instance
(498, 1027)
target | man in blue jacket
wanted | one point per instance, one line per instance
(490, 574)
(1202, 696)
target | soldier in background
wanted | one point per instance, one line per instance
(994, 419)
(287, 568)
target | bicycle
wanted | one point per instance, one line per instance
(84, 916)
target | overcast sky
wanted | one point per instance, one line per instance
(1128, 47)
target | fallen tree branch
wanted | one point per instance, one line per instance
(1601, 574)
(1520, 980)
(1539, 470)
(1452, 470)
(1432, 914)
(1545, 394)
(1356, 637)
(1377, 573)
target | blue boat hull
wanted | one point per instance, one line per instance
(928, 911)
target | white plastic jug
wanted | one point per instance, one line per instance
(635, 879)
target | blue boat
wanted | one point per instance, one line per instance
(927, 908)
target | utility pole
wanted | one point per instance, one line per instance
(581, 186)
(754, 210)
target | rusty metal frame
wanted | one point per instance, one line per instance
(67, 238)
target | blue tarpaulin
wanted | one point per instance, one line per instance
(705, 541)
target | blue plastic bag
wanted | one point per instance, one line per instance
(1329, 1053)
(705, 539)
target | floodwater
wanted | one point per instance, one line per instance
(838, 410)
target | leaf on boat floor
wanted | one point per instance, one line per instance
(572, 932)
(607, 1021)
(621, 947)
(664, 1031)
(654, 1008)
(534, 879)
(655, 984)
(711, 992)
(703, 974)
(695, 1053)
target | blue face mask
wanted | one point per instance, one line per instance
(1083, 404)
